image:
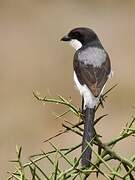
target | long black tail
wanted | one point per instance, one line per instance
(87, 136)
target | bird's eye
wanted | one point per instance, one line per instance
(76, 34)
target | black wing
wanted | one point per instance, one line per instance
(94, 77)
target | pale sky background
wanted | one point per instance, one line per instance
(33, 58)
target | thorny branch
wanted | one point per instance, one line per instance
(106, 153)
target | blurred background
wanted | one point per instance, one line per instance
(33, 58)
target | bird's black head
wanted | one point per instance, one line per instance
(82, 34)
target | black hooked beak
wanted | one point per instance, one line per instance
(65, 38)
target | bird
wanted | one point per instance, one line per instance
(92, 69)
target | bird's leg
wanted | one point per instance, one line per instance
(82, 104)
(82, 108)
(101, 100)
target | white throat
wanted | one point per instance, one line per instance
(75, 44)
